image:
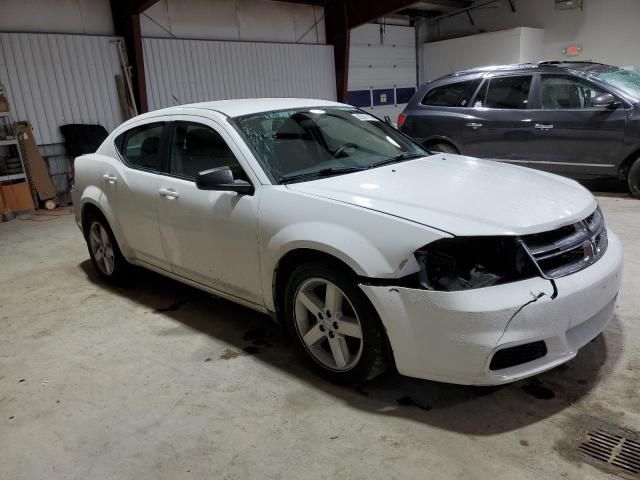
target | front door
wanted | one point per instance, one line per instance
(209, 236)
(573, 137)
(130, 190)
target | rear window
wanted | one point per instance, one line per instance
(505, 93)
(452, 95)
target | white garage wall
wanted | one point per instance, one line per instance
(382, 57)
(91, 17)
(514, 45)
(244, 20)
(607, 29)
(200, 70)
(54, 79)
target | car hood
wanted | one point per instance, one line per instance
(461, 195)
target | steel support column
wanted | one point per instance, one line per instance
(126, 20)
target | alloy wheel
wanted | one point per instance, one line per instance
(328, 324)
(102, 248)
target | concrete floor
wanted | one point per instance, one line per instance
(161, 381)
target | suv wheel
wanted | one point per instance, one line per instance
(334, 324)
(443, 147)
(633, 178)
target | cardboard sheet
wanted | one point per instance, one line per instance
(34, 162)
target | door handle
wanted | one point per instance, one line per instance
(110, 178)
(543, 126)
(168, 192)
(474, 126)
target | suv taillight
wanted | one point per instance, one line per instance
(401, 118)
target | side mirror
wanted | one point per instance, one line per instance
(606, 100)
(221, 179)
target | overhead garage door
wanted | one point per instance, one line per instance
(382, 68)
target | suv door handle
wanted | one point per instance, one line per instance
(544, 126)
(475, 126)
(169, 193)
(110, 178)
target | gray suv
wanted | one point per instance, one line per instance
(578, 119)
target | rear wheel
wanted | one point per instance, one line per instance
(334, 324)
(633, 178)
(442, 147)
(103, 249)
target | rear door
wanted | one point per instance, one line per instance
(130, 189)
(573, 137)
(498, 126)
(440, 114)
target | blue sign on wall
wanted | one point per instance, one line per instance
(403, 95)
(359, 98)
(384, 96)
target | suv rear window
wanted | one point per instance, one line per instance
(452, 95)
(505, 92)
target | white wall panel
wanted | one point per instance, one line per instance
(202, 70)
(54, 79)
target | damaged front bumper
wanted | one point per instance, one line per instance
(453, 336)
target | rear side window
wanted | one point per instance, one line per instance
(452, 95)
(505, 93)
(140, 146)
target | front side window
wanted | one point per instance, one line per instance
(196, 147)
(567, 93)
(298, 144)
(452, 95)
(141, 146)
(504, 93)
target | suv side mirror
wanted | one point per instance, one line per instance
(221, 179)
(606, 100)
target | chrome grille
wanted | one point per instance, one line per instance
(568, 249)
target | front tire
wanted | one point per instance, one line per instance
(105, 254)
(633, 178)
(334, 325)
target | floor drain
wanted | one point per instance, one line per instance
(616, 448)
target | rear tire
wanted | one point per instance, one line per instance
(105, 253)
(633, 178)
(334, 325)
(443, 147)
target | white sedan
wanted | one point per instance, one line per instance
(371, 250)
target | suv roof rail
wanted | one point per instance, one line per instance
(568, 62)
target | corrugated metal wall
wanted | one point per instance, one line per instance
(200, 70)
(54, 79)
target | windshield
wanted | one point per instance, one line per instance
(302, 144)
(626, 80)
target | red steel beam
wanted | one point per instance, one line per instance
(126, 21)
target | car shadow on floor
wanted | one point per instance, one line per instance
(462, 409)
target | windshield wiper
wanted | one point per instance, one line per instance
(398, 158)
(325, 172)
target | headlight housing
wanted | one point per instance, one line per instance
(464, 263)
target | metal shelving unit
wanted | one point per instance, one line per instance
(12, 167)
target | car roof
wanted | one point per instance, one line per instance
(245, 106)
(548, 65)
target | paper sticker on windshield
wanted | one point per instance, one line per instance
(365, 117)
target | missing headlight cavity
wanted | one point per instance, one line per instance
(463, 263)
